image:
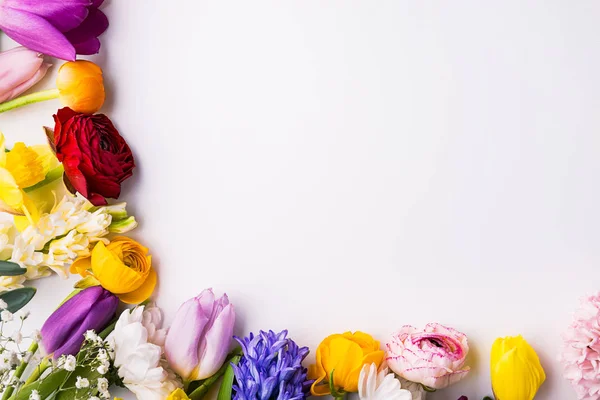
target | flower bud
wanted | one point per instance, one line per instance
(90, 309)
(515, 368)
(200, 336)
(20, 69)
(81, 86)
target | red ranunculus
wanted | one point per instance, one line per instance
(95, 156)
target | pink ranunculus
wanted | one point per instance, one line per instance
(434, 357)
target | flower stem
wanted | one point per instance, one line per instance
(19, 371)
(29, 99)
(201, 391)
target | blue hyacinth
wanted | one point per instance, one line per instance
(270, 369)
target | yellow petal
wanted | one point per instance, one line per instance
(11, 197)
(24, 165)
(112, 273)
(178, 394)
(516, 371)
(2, 150)
(376, 357)
(81, 266)
(46, 157)
(143, 293)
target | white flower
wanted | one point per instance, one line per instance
(137, 341)
(91, 335)
(6, 316)
(36, 336)
(102, 384)
(102, 355)
(8, 359)
(17, 337)
(34, 395)
(82, 383)
(418, 393)
(69, 363)
(94, 398)
(103, 368)
(22, 314)
(3, 305)
(380, 386)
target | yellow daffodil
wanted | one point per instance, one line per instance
(24, 170)
(343, 356)
(122, 267)
(516, 370)
(178, 394)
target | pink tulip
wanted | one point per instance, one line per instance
(433, 357)
(20, 69)
(199, 338)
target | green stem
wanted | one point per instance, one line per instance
(19, 371)
(339, 397)
(201, 391)
(41, 368)
(29, 99)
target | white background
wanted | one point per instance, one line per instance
(361, 165)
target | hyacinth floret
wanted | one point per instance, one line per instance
(270, 368)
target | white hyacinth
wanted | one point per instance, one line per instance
(70, 230)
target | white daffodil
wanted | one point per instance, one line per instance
(373, 385)
(138, 341)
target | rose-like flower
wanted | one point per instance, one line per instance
(122, 267)
(581, 349)
(97, 160)
(373, 385)
(137, 340)
(20, 69)
(515, 369)
(81, 86)
(344, 355)
(200, 336)
(434, 357)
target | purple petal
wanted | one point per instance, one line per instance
(90, 47)
(97, 3)
(67, 317)
(35, 33)
(63, 14)
(97, 319)
(93, 26)
(216, 342)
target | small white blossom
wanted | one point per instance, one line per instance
(3, 305)
(102, 369)
(102, 384)
(17, 337)
(94, 398)
(102, 355)
(91, 335)
(36, 336)
(27, 356)
(34, 395)
(105, 394)
(69, 364)
(82, 383)
(6, 316)
(22, 314)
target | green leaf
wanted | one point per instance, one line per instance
(226, 387)
(18, 298)
(8, 268)
(45, 387)
(51, 176)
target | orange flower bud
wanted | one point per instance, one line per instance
(81, 86)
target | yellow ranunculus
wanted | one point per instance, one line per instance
(343, 355)
(81, 86)
(178, 394)
(516, 370)
(122, 267)
(23, 169)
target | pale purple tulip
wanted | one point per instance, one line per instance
(200, 336)
(20, 69)
(58, 28)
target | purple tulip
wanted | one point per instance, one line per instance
(20, 69)
(200, 336)
(92, 308)
(59, 28)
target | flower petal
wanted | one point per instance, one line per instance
(142, 293)
(35, 33)
(63, 14)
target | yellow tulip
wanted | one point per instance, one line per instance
(178, 394)
(81, 86)
(22, 170)
(516, 370)
(343, 356)
(122, 267)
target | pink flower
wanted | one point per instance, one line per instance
(433, 357)
(20, 69)
(581, 349)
